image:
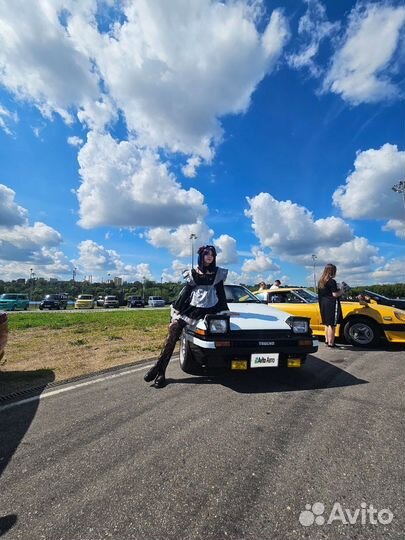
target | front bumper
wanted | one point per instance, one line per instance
(220, 351)
(394, 333)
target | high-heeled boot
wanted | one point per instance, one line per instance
(158, 370)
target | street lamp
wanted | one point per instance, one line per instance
(314, 257)
(32, 277)
(192, 238)
(400, 188)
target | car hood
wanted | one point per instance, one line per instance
(255, 317)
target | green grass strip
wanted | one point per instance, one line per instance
(107, 320)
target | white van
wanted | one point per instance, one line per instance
(156, 301)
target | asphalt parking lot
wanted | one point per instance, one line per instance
(241, 456)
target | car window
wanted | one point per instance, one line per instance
(281, 297)
(307, 296)
(9, 297)
(240, 295)
(262, 296)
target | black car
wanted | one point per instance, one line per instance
(135, 301)
(54, 301)
(384, 301)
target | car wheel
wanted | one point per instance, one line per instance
(361, 332)
(186, 360)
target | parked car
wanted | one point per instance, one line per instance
(364, 323)
(100, 300)
(3, 333)
(85, 301)
(135, 301)
(250, 336)
(384, 301)
(54, 301)
(156, 301)
(111, 301)
(13, 301)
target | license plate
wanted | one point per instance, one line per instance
(264, 360)
(239, 364)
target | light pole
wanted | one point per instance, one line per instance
(400, 188)
(314, 257)
(192, 238)
(143, 288)
(32, 277)
(74, 272)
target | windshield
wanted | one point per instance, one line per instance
(111, 298)
(307, 295)
(240, 295)
(9, 297)
(374, 295)
(85, 297)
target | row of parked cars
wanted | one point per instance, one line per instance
(20, 301)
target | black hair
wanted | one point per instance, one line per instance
(201, 252)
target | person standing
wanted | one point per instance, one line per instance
(329, 303)
(204, 293)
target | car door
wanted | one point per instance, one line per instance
(290, 302)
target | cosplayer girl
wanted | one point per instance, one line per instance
(204, 293)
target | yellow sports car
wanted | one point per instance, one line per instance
(364, 323)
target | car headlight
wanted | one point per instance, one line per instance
(400, 315)
(217, 324)
(298, 326)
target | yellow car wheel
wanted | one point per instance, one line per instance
(361, 332)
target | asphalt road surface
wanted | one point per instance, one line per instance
(260, 455)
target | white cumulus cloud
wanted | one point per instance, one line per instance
(11, 213)
(367, 193)
(291, 230)
(174, 68)
(178, 241)
(125, 186)
(226, 249)
(313, 28)
(359, 70)
(261, 263)
(94, 259)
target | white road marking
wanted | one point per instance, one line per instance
(72, 387)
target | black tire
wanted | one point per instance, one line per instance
(186, 360)
(361, 332)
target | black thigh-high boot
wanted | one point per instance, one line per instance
(158, 370)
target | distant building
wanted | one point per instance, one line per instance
(20, 280)
(53, 280)
(118, 281)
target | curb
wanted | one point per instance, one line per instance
(37, 390)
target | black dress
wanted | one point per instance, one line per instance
(331, 310)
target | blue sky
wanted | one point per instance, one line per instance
(274, 130)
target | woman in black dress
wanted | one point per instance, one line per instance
(329, 303)
(204, 293)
